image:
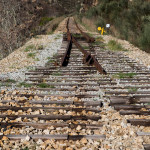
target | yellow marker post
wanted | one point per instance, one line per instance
(99, 28)
(102, 30)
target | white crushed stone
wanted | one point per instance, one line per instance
(19, 74)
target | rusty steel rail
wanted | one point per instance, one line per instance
(65, 59)
(88, 58)
(88, 38)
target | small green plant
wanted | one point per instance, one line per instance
(77, 35)
(37, 59)
(29, 48)
(56, 74)
(10, 81)
(124, 75)
(45, 20)
(31, 55)
(44, 85)
(50, 61)
(49, 58)
(26, 148)
(99, 39)
(115, 46)
(132, 89)
(55, 55)
(85, 47)
(40, 47)
(27, 85)
(57, 37)
(30, 68)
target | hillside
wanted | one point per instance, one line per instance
(130, 20)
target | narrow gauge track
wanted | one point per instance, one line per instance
(81, 71)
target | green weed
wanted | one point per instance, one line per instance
(37, 59)
(115, 46)
(40, 47)
(26, 148)
(124, 75)
(44, 85)
(29, 48)
(85, 47)
(24, 84)
(77, 35)
(31, 55)
(56, 74)
(10, 81)
(132, 89)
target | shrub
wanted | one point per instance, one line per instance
(45, 20)
(100, 22)
(145, 38)
(92, 12)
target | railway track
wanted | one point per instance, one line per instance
(69, 94)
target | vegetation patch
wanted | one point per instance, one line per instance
(31, 55)
(130, 20)
(29, 48)
(57, 37)
(26, 148)
(24, 84)
(45, 20)
(77, 35)
(10, 81)
(50, 60)
(37, 59)
(85, 47)
(132, 89)
(56, 74)
(40, 47)
(115, 46)
(99, 39)
(124, 75)
(44, 85)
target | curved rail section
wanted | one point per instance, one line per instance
(88, 58)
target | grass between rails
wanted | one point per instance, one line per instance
(124, 75)
(24, 84)
(132, 89)
(45, 85)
